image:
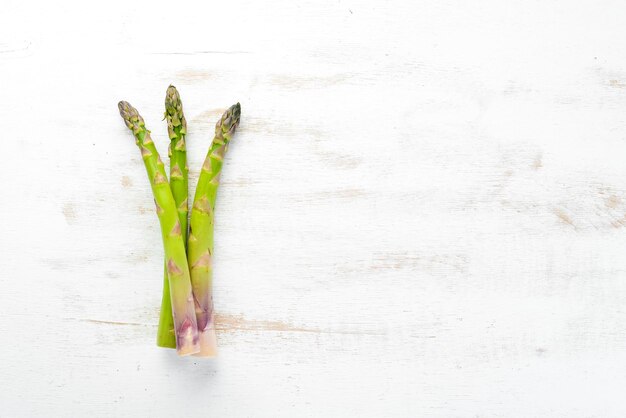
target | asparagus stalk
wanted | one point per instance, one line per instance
(176, 129)
(185, 324)
(200, 243)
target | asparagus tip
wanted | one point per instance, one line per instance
(131, 117)
(226, 126)
(172, 99)
(174, 112)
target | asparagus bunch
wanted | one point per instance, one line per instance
(187, 320)
(176, 129)
(200, 244)
(184, 318)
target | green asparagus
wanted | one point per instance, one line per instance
(200, 243)
(177, 129)
(185, 323)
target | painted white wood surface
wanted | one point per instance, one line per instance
(422, 214)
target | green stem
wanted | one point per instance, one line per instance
(166, 337)
(185, 323)
(179, 175)
(200, 242)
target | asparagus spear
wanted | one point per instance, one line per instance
(177, 129)
(185, 323)
(200, 243)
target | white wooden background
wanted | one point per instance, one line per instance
(423, 212)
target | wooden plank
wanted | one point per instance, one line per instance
(422, 213)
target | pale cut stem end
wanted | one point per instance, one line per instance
(188, 349)
(208, 343)
(188, 342)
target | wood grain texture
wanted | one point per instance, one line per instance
(422, 214)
